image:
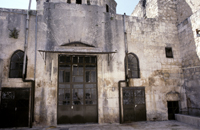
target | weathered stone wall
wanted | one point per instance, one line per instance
(185, 8)
(164, 79)
(9, 19)
(111, 3)
(147, 10)
(195, 22)
(152, 8)
(94, 27)
(1, 76)
(189, 49)
(161, 75)
(167, 10)
(147, 38)
(139, 10)
(1, 70)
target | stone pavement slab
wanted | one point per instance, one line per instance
(146, 125)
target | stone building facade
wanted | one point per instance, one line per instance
(85, 63)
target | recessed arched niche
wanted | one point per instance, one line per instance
(77, 44)
(173, 96)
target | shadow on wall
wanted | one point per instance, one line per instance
(183, 10)
(42, 109)
(190, 60)
(1, 69)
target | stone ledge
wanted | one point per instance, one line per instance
(17, 11)
(192, 120)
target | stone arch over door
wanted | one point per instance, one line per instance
(173, 96)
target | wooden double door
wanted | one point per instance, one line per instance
(14, 109)
(77, 89)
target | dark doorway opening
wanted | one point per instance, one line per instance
(14, 109)
(169, 52)
(134, 105)
(78, 2)
(77, 90)
(173, 108)
(107, 8)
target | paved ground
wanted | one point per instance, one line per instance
(157, 125)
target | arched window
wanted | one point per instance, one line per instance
(16, 64)
(133, 66)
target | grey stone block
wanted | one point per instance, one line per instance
(195, 121)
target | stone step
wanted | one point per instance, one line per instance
(192, 120)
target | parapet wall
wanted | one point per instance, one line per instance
(185, 8)
(111, 4)
(146, 8)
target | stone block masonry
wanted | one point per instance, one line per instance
(90, 30)
(191, 120)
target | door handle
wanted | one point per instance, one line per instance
(135, 105)
(72, 107)
(15, 108)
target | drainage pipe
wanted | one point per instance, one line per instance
(126, 48)
(24, 66)
(126, 69)
(120, 103)
(26, 38)
(36, 24)
(33, 87)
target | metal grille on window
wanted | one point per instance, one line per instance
(16, 65)
(133, 66)
(77, 80)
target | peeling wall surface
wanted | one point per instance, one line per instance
(149, 31)
(1, 69)
(146, 8)
(9, 19)
(1, 64)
